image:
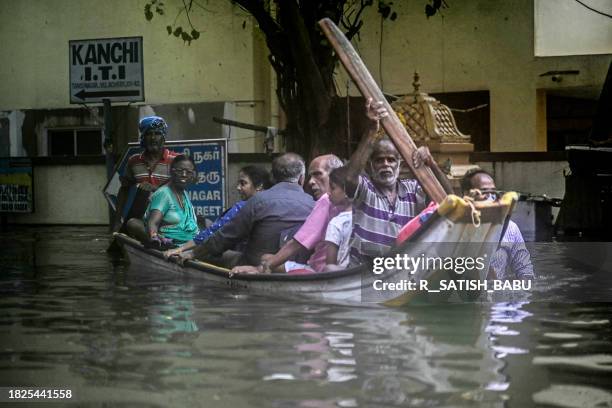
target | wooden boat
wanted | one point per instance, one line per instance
(457, 229)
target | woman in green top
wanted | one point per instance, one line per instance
(170, 218)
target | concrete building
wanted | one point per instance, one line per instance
(496, 52)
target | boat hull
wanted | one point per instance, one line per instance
(440, 237)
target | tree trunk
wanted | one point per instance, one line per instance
(304, 64)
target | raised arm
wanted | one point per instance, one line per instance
(375, 112)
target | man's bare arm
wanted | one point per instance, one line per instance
(375, 112)
(443, 179)
(423, 156)
(291, 248)
(331, 257)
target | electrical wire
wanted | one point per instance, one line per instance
(592, 9)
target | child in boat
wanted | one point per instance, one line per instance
(339, 229)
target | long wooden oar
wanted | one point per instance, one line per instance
(392, 125)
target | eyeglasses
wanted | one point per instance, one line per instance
(490, 195)
(183, 172)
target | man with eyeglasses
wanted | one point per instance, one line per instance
(512, 260)
(146, 171)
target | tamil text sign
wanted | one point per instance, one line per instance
(108, 68)
(208, 191)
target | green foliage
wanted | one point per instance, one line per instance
(177, 30)
(434, 7)
(384, 9)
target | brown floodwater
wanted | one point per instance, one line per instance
(73, 317)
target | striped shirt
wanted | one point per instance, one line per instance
(137, 171)
(376, 222)
(512, 259)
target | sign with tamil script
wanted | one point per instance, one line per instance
(208, 193)
(108, 68)
(16, 186)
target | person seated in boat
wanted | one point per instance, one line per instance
(338, 233)
(512, 260)
(309, 236)
(382, 203)
(146, 171)
(263, 217)
(251, 180)
(170, 218)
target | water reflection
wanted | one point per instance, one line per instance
(71, 316)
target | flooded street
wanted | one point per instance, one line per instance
(73, 317)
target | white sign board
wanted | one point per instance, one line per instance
(109, 68)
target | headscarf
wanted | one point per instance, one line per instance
(152, 123)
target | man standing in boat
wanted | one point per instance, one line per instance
(382, 203)
(146, 171)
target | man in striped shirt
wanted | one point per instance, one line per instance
(147, 170)
(382, 203)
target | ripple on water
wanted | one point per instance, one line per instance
(135, 336)
(563, 336)
(597, 362)
(573, 396)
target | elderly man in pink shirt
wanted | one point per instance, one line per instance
(312, 233)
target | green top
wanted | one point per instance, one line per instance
(177, 223)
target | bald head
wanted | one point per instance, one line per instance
(318, 173)
(386, 146)
(289, 168)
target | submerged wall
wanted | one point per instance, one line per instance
(67, 194)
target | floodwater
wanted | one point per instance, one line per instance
(72, 317)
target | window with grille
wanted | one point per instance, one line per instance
(74, 142)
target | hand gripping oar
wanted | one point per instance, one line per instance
(392, 125)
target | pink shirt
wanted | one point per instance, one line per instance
(312, 233)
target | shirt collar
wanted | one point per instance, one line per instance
(287, 185)
(165, 154)
(402, 190)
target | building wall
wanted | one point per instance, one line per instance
(218, 67)
(67, 194)
(558, 20)
(530, 177)
(537, 177)
(476, 45)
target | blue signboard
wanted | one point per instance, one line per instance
(208, 193)
(16, 185)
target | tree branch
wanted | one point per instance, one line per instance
(309, 73)
(355, 25)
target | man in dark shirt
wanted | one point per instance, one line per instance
(265, 215)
